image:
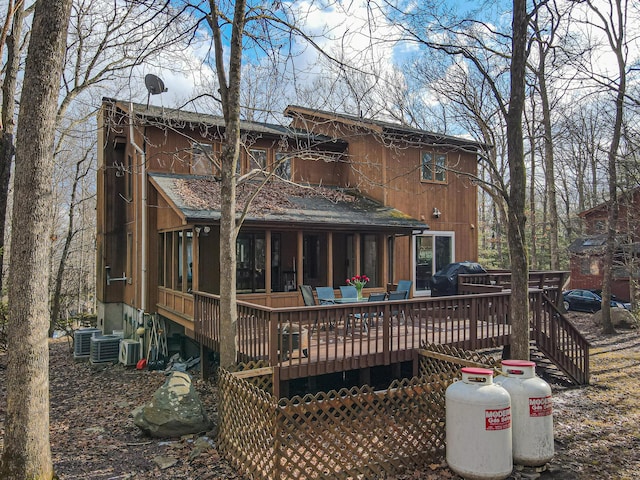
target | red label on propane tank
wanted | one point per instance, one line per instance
(499, 419)
(540, 406)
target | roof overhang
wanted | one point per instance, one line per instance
(342, 212)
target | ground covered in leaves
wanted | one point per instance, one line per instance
(597, 428)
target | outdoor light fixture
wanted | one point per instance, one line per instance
(436, 212)
(204, 230)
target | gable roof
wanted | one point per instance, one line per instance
(384, 127)
(593, 244)
(630, 196)
(196, 198)
(176, 118)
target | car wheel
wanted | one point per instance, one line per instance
(566, 306)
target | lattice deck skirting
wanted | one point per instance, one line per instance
(349, 433)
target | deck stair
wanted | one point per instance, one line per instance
(549, 371)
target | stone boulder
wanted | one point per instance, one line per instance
(620, 318)
(174, 410)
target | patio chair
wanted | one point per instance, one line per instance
(348, 291)
(307, 295)
(398, 295)
(404, 286)
(374, 297)
(326, 295)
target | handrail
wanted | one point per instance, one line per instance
(560, 341)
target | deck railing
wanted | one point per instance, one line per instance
(501, 280)
(309, 341)
(558, 339)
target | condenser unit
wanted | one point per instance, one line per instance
(104, 348)
(82, 341)
(129, 352)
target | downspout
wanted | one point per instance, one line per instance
(143, 218)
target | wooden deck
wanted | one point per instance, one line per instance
(307, 341)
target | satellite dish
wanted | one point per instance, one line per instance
(154, 84)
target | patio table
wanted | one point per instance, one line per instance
(351, 300)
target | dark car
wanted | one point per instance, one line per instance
(445, 281)
(588, 301)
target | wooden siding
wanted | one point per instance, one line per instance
(392, 175)
(593, 281)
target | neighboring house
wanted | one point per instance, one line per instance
(587, 252)
(347, 196)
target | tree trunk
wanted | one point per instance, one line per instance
(55, 306)
(549, 164)
(616, 34)
(7, 123)
(230, 96)
(27, 453)
(533, 254)
(519, 305)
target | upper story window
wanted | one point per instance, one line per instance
(283, 165)
(433, 167)
(202, 159)
(257, 159)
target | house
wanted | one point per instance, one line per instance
(587, 251)
(342, 196)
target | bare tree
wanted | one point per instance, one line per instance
(103, 46)
(492, 53)
(27, 452)
(12, 37)
(545, 32)
(612, 24)
(229, 79)
(519, 305)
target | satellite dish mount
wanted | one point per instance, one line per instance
(154, 84)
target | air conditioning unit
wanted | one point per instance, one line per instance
(129, 352)
(105, 348)
(82, 341)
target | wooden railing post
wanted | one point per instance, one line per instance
(386, 334)
(473, 320)
(274, 322)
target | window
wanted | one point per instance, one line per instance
(250, 257)
(175, 262)
(257, 159)
(202, 159)
(369, 261)
(283, 165)
(434, 167)
(184, 254)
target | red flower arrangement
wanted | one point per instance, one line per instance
(358, 281)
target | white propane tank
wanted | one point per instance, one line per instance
(532, 412)
(478, 427)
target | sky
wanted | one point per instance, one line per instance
(343, 29)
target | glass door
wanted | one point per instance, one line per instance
(431, 253)
(423, 262)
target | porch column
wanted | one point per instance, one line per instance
(195, 267)
(299, 257)
(267, 265)
(384, 258)
(357, 254)
(329, 258)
